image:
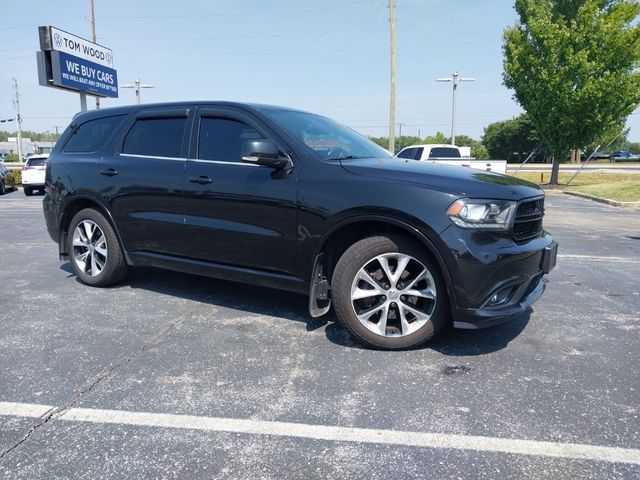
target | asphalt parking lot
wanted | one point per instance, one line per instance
(176, 376)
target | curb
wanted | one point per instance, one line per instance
(616, 203)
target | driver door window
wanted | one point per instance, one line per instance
(221, 139)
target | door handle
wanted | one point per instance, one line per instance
(202, 179)
(109, 172)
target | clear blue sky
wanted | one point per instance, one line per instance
(329, 57)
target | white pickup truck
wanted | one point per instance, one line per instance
(451, 155)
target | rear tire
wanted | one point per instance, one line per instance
(388, 292)
(28, 191)
(95, 253)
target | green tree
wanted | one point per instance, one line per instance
(406, 141)
(439, 137)
(477, 149)
(512, 140)
(35, 136)
(381, 141)
(573, 65)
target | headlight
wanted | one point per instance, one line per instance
(490, 214)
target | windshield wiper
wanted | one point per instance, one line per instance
(348, 157)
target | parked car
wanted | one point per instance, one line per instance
(594, 156)
(33, 173)
(287, 199)
(7, 181)
(620, 155)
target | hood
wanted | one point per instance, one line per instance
(459, 181)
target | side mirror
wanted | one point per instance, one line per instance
(265, 152)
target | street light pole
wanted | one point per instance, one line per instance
(137, 86)
(454, 79)
(16, 105)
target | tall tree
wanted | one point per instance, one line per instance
(573, 65)
(512, 140)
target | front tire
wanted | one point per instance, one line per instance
(389, 293)
(95, 253)
(28, 191)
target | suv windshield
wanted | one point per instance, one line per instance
(326, 137)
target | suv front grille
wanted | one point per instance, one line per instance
(528, 220)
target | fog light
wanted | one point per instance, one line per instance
(500, 298)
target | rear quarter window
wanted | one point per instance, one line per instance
(444, 152)
(91, 135)
(36, 162)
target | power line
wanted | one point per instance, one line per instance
(31, 25)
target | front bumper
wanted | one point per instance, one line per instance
(472, 319)
(495, 279)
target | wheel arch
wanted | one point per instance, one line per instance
(73, 206)
(344, 233)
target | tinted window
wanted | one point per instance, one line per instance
(90, 136)
(156, 137)
(444, 152)
(418, 154)
(36, 162)
(407, 153)
(222, 138)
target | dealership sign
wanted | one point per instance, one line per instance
(69, 62)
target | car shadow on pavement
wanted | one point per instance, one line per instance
(453, 342)
(291, 306)
(463, 343)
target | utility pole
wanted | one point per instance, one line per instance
(137, 86)
(93, 38)
(454, 79)
(16, 105)
(392, 102)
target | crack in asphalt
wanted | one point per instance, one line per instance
(56, 412)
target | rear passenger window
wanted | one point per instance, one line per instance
(156, 137)
(91, 135)
(222, 138)
(407, 153)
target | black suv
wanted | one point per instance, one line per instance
(292, 200)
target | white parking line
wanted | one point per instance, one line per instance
(598, 258)
(334, 434)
